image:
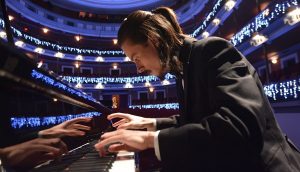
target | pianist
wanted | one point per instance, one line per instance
(226, 122)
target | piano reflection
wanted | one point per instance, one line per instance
(33, 99)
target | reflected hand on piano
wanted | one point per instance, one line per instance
(32, 153)
(128, 140)
(129, 121)
(67, 128)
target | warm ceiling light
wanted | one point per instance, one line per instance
(229, 5)
(20, 43)
(292, 17)
(3, 34)
(99, 59)
(216, 22)
(79, 57)
(258, 39)
(128, 85)
(147, 84)
(55, 99)
(99, 86)
(10, 18)
(78, 85)
(77, 38)
(115, 66)
(274, 60)
(39, 50)
(151, 89)
(127, 59)
(77, 65)
(165, 82)
(115, 41)
(40, 64)
(205, 34)
(59, 55)
(45, 30)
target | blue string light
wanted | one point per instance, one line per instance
(263, 20)
(116, 80)
(287, 90)
(49, 81)
(260, 22)
(30, 122)
(168, 106)
(208, 18)
(40, 43)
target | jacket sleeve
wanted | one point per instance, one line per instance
(237, 122)
(162, 123)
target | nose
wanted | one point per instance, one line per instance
(140, 69)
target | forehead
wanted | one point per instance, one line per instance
(128, 47)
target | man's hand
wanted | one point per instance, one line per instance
(67, 128)
(129, 121)
(128, 140)
(32, 153)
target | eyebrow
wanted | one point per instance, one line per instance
(132, 55)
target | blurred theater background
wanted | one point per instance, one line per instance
(75, 41)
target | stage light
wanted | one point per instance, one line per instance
(128, 85)
(40, 64)
(20, 43)
(274, 60)
(216, 22)
(205, 34)
(292, 17)
(229, 5)
(77, 65)
(115, 66)
(77, 38)
(258, 39)
(39, 50)
(79, 57)
(99, 59)
(10, 18)
(78, 85)
(3, 35)
(59, 55)
(99, 86)
(115, 41)
(151, 89)
(127, 59)
(147, 84)
(165, 82)
(45, 30)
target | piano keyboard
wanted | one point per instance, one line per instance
(86, 158)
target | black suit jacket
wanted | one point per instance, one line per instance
(226, 122)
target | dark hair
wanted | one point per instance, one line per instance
(159, 27)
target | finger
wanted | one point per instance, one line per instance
(118, 115)
(108, 134)
(45, 148)
(58, 143)
(119, 122)
(101, 145)
(128, 126)
(73, 132)
(117, 147)
(81, 127)
(81, 119)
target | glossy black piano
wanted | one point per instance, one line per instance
(33, 99)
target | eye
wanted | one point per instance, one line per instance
(135, 58)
